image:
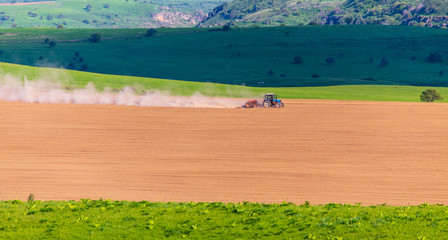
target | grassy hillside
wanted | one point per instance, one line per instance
(269, 13)
(331, 12)
(75, 79)
(263, 57)
(99, 219)
(106, 14)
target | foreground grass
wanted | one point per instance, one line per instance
(105, 219)
(76, 79)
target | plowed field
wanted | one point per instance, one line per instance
(317, 151)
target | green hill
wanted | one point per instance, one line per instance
(262, 57)
(74, 79)
(105, 13)
(329, 12)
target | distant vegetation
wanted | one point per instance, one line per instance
(106, 219)
(430, 13)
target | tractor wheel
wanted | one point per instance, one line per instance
(248, 105)
(283, 105)
(267, 104)
(277, 105)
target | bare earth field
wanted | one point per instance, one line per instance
(317, 151)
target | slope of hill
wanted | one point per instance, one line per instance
(274, 57)
(331, 12)
(105, 13)
(69, 79)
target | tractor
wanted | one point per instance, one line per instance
(270, 100)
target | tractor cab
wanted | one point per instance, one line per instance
(270, 100)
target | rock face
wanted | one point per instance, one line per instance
(167, 18)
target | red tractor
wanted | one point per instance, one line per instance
(270, 100)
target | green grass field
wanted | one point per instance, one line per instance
(244, 56)
(105, 219)
(104, 14)
(77, 79)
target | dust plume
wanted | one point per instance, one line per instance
(45, 91)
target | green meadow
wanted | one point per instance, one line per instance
(106, 219)
(260, 57)
(103, 13)
(71, 79)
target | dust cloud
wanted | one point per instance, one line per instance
(45, 91)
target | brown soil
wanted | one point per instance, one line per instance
(317, 151)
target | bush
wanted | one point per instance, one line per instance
(434, 57)
(31, 197)
(225, 28)
(88, 8)
(95, 38)
(297, 60)
(430, 95)
(52, 44)
(315, 75)
(384, 62)
(329, 60)
(151, 32)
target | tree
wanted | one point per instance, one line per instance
(430, 95)
(151, 32)
(94, 38)
(297, 60)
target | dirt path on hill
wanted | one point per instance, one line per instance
(317, 151)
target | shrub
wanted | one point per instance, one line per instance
(434, 57)
(88, 7)
(60, 26)
(31, 197)
(106, 5)
(47, 40)
(329, 60)
(151, 32)
(95, 38)
(226, 28)
(430, 95)
(297, 60)
(314, 75)
(52, 44)
(270, 72)
(383, 62)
